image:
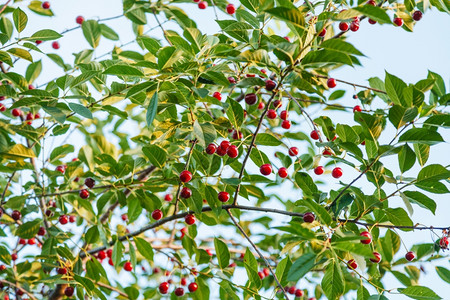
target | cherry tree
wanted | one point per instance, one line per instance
(201, 171)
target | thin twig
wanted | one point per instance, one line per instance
(353, 84)
(18, 287)
(6, 188)
(4, 6)
(112, 289)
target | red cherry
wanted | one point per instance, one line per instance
(417, 15)
(354, 26)
(271, 114)
(16, 215)
(68, 291)
(351, 264)
(101, 255)
(337, 172)
(63, 219)
(211, 149)
(189, 219)
(261, 275)
(185, 176)
(192, 287)
(38, 42)
(124, 217)
(89, 182)
(79, 20)
(372, 22)
(319, 170)
(203, 5)
(266, 169)
(309, 217)
(164, 287)
(286, 124)
(232, 80)
(62, 271)
(331, 83)
(217, 95)
(14, 256)
(282, 172)
(327, 152)
(410, 256)
(398, 21)
(250, 75)
(231, 9)
(233, 151)
(157, 214)
(55, 45)
(127, 266)
(60, 169)
(110, 262)
(183, 232)
(209, 252)
(179, 291)
(323, 32)
(221, 151)
(41, 231)
(186, 193)
(22, 242)
(298, 293)
(266, 272)
(183, 281)
(31, 241)
(314, 135)
(377, 257)
(287, 39)
(223, 196)
(284, 115)
(84, 194)
(2, 107)
(232, 265)
(357, 108)
(30, 117)
(168, 197)
(261, 105)
(16, 112)
(368, 237)
(270, 85)
(343, 26)
(371, 2)
(46, 5)
(291, 290)
(293, 151)
(237, 135)
(225, 144)
(109, 253)
(251, 99)
(277, 104)
(443, 242)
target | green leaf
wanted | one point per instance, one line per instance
(421, 135)
(81, 110)
(33, 71)
(235, 113)
(318, 209)
(123, 70)
(117, 253)
(204, 133)
(36, 6)
(292, 15)
(326, 56)
(398, 217)
(144, 247)
(20, 19)
(374, 12)
(419, 293)
(167, 56)
(333, 283)
(22, 53)
(444, 273)
(357, 249)
(152, 109)
(347, 133)
(341, 46)
(306, 183)
(19, 151)
(61, 151)
(267, 139)
(420, 199)
(399, 115)
(156, 155)
(5, 255)
(55, 113)
(45, 35)
(422, 153)
(301, 266)
(92, 32)
(433, 172)
(29, 230)
(406, 158)
(108, 33)
(283, 269)
(222, 252)
(394, 88)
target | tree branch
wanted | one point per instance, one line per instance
(18, 287)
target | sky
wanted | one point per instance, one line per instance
(387, 48)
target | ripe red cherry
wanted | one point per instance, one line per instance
(372, 22)
(157, 214)
(266, 272)
(319, 170)
(84, 194)
(110, 262)
(217, 95)
(192, 287)
(377, 257)
(237, 135)
(231, 9)
(211, 149)
(327, 152)
(203, 5)
(351, 264)
(337, 172)
(265, 169)
(22, 242)
(293, 151)
(124, 217)
(68, 291)
(109, 253)
(250, 75)
(55, 45)
(410, 256)
(233, 151)
(291, 290)
(223, 196)
(282, 172)
(443, 242)
(185, 176)
(62, 271)
(298, 293)
(186, 193)
(261, 105)
(270, 85)
(46, 5)
(284, 115)
(225, 144)
(63, 219)
(164, 287)
(2, 107)
(16, 112)
(38, 42)
(101, 254)
(309, 217)
(232, 80)
(271, 114)
(41, 231)
(89, 182)
(354, 26)
(371, 2)
(127, 266)
(261, 275)
(183, 281)
(29, 118)
(79, 20)
(398, 21)
(189, 219)
(179, 291)
(357, 108)
(343, 26)
(323, 32)
(168, 197)
(16, 215)
(251, 99)
(277, 103)
(209, 252)
(221, 151)
(331, 83)
(287, 39)
(417, 15)
(286, 124)
(314, 135)
(368, 237)
(14, 256)
(61, 169)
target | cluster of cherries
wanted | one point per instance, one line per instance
(179, 291)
